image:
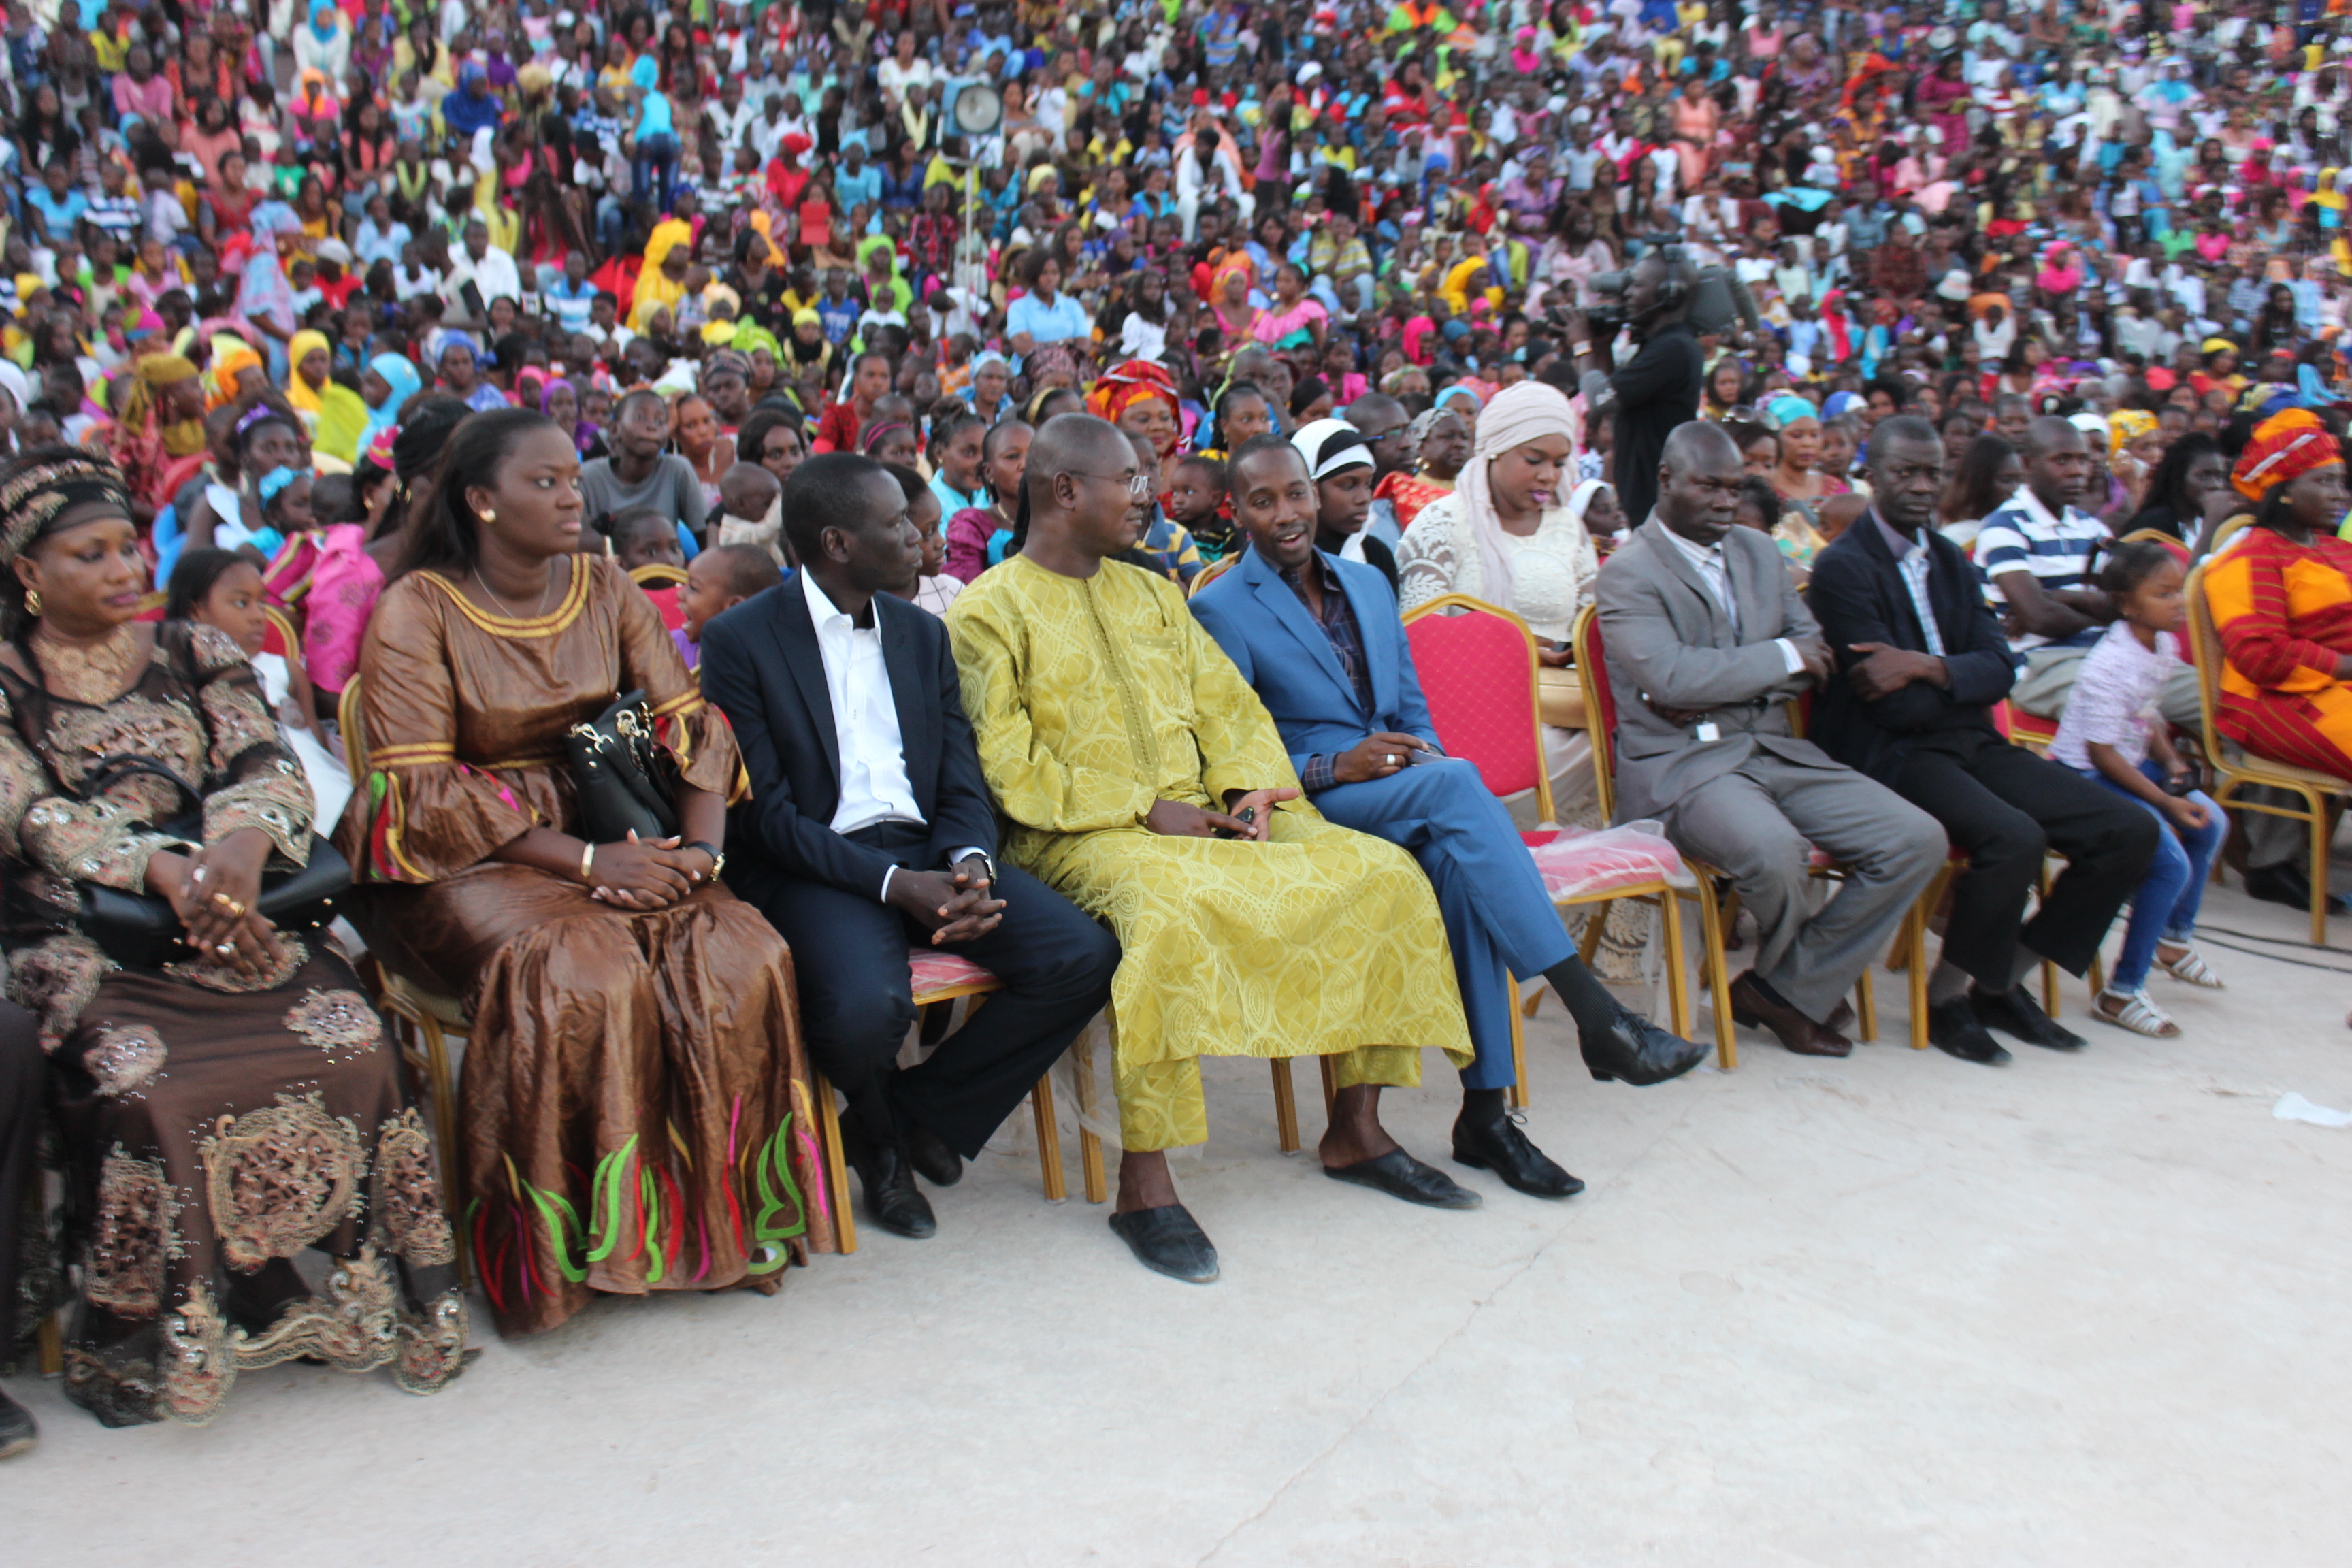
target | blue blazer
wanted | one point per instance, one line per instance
(1263, 628)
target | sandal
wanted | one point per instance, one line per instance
(2137, 1014)
(2190, 969)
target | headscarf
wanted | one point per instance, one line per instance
(1526, 412)
(1234, 261)
(1123, 386)
(40, 488)
(749, 336)
(2126, 426)
(2282, 449)
(1331, 446)
(1050, 358)
(305, 398)
(1580, 500)
(152, 374)
(323, 21)
(1788, 408)
(1458, 390)
(405, 385)
(876, 435)
(1424, 422)
(230, 356)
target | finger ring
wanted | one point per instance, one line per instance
(1392, 758)
(233, 906)
(225, 948)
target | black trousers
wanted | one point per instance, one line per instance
(2004, 808)
(849, 958)
(21, 1071)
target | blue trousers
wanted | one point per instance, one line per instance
(1499, 919)
(2165, 908)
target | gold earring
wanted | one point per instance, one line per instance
(488, 516)
(33, 602)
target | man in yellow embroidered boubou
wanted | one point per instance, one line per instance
(228, 1102)
(1144, 780)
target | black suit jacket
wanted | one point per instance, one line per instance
(1858, 595)
(761, 667)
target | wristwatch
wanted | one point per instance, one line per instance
(987, 862)
(717, 860)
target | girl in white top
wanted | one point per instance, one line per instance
(2112, 733)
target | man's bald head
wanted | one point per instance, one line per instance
(1076, 493)
(1074, 443)
(1698, 482)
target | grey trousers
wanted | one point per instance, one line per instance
(2048, 679)
(1758, 824)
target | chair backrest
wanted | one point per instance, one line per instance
(1211, 572)
(1599, 706)
(656, 574)
(2205, 653)
(1477, 665)
(2229, 530)
(280, 639)
(2157, 536)
(348, 720)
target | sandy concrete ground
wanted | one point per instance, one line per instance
(1895, 1309)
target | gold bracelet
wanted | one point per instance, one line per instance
(588, 864)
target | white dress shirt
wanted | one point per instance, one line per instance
(874, 784)
(1717, 574)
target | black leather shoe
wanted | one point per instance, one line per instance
(18, 1430)
(2283, 884)
(932, 1159)
(1400, 1175)
(1499, 1146)
(892, 1199)
(1166, 1240)
(1953, 1026)
(2017, 1015)
(1638, 1051)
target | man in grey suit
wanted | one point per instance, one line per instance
(1707, 641)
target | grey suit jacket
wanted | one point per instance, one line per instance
(1669, 642)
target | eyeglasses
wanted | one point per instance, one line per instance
(1138, 485)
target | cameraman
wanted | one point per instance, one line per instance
(1657, 390)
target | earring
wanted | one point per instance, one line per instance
(33, 603)
(488, 516)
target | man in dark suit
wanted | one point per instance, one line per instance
(1925, 661)
(868, 827)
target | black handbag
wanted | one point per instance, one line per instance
(142, 931)
(624, 782)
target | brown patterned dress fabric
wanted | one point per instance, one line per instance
(216, 1127)
(637, 1105)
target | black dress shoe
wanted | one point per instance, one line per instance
(18, 1430)
(2283, 884)
(892, 1199)
(1638, 1051)
(1499, 1146)
(1953, 1026)
(932, 1159)
(1400, 1175)
(1167, 1241)
(2016, 1014)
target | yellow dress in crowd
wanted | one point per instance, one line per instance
(1092, 698)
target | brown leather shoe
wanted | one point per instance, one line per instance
(1752, 1006)
(1841, 1018)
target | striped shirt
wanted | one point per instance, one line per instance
(2023, 537)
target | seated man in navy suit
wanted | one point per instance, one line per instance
(1319, 639)
(868, 827)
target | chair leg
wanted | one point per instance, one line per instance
(2319, 837)
(1090, 1153)
(1596, 925)
(1518, 1095)
(52, 1346)
(1049, 1140)
(844, 1224)
(1865, 1006)
(1678, 1004)
(2097, 976)
(1914, 947)
(1718, 976)
(1286, 1105)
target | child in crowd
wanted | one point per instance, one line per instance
(2111, 732)
(933, 590)
(1161, 544)
(222, 588)
(750, 512)
(1196, 502)
(643, 536)
(722, 577)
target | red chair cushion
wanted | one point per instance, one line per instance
(1580, 862)
(936, 969)
(1474, 673)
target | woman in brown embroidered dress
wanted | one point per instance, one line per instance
(229, 1109)
(636, 1101)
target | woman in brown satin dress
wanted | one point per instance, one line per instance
(637, 1110)
(239, 1104)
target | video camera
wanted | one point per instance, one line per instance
(1719, 300)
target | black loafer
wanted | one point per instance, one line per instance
(18, 1430)
(1953, 1026)
(1400, 1175)
(892, 1199)
(2283, 884)
(1166, 1240)
(1637, 1051)
(1499, 1146)
(929, 1152)
(2016, 1014)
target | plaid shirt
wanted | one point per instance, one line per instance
(1339, 623)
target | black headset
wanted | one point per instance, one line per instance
(1674, 288)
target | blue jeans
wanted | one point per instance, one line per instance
(2165, 908)
(655, 156)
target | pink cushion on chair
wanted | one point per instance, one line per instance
(937, 970)
(1578, 862)
(1475, 671)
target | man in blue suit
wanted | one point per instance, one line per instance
(1319, 639)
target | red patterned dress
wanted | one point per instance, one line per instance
(2284, 613)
